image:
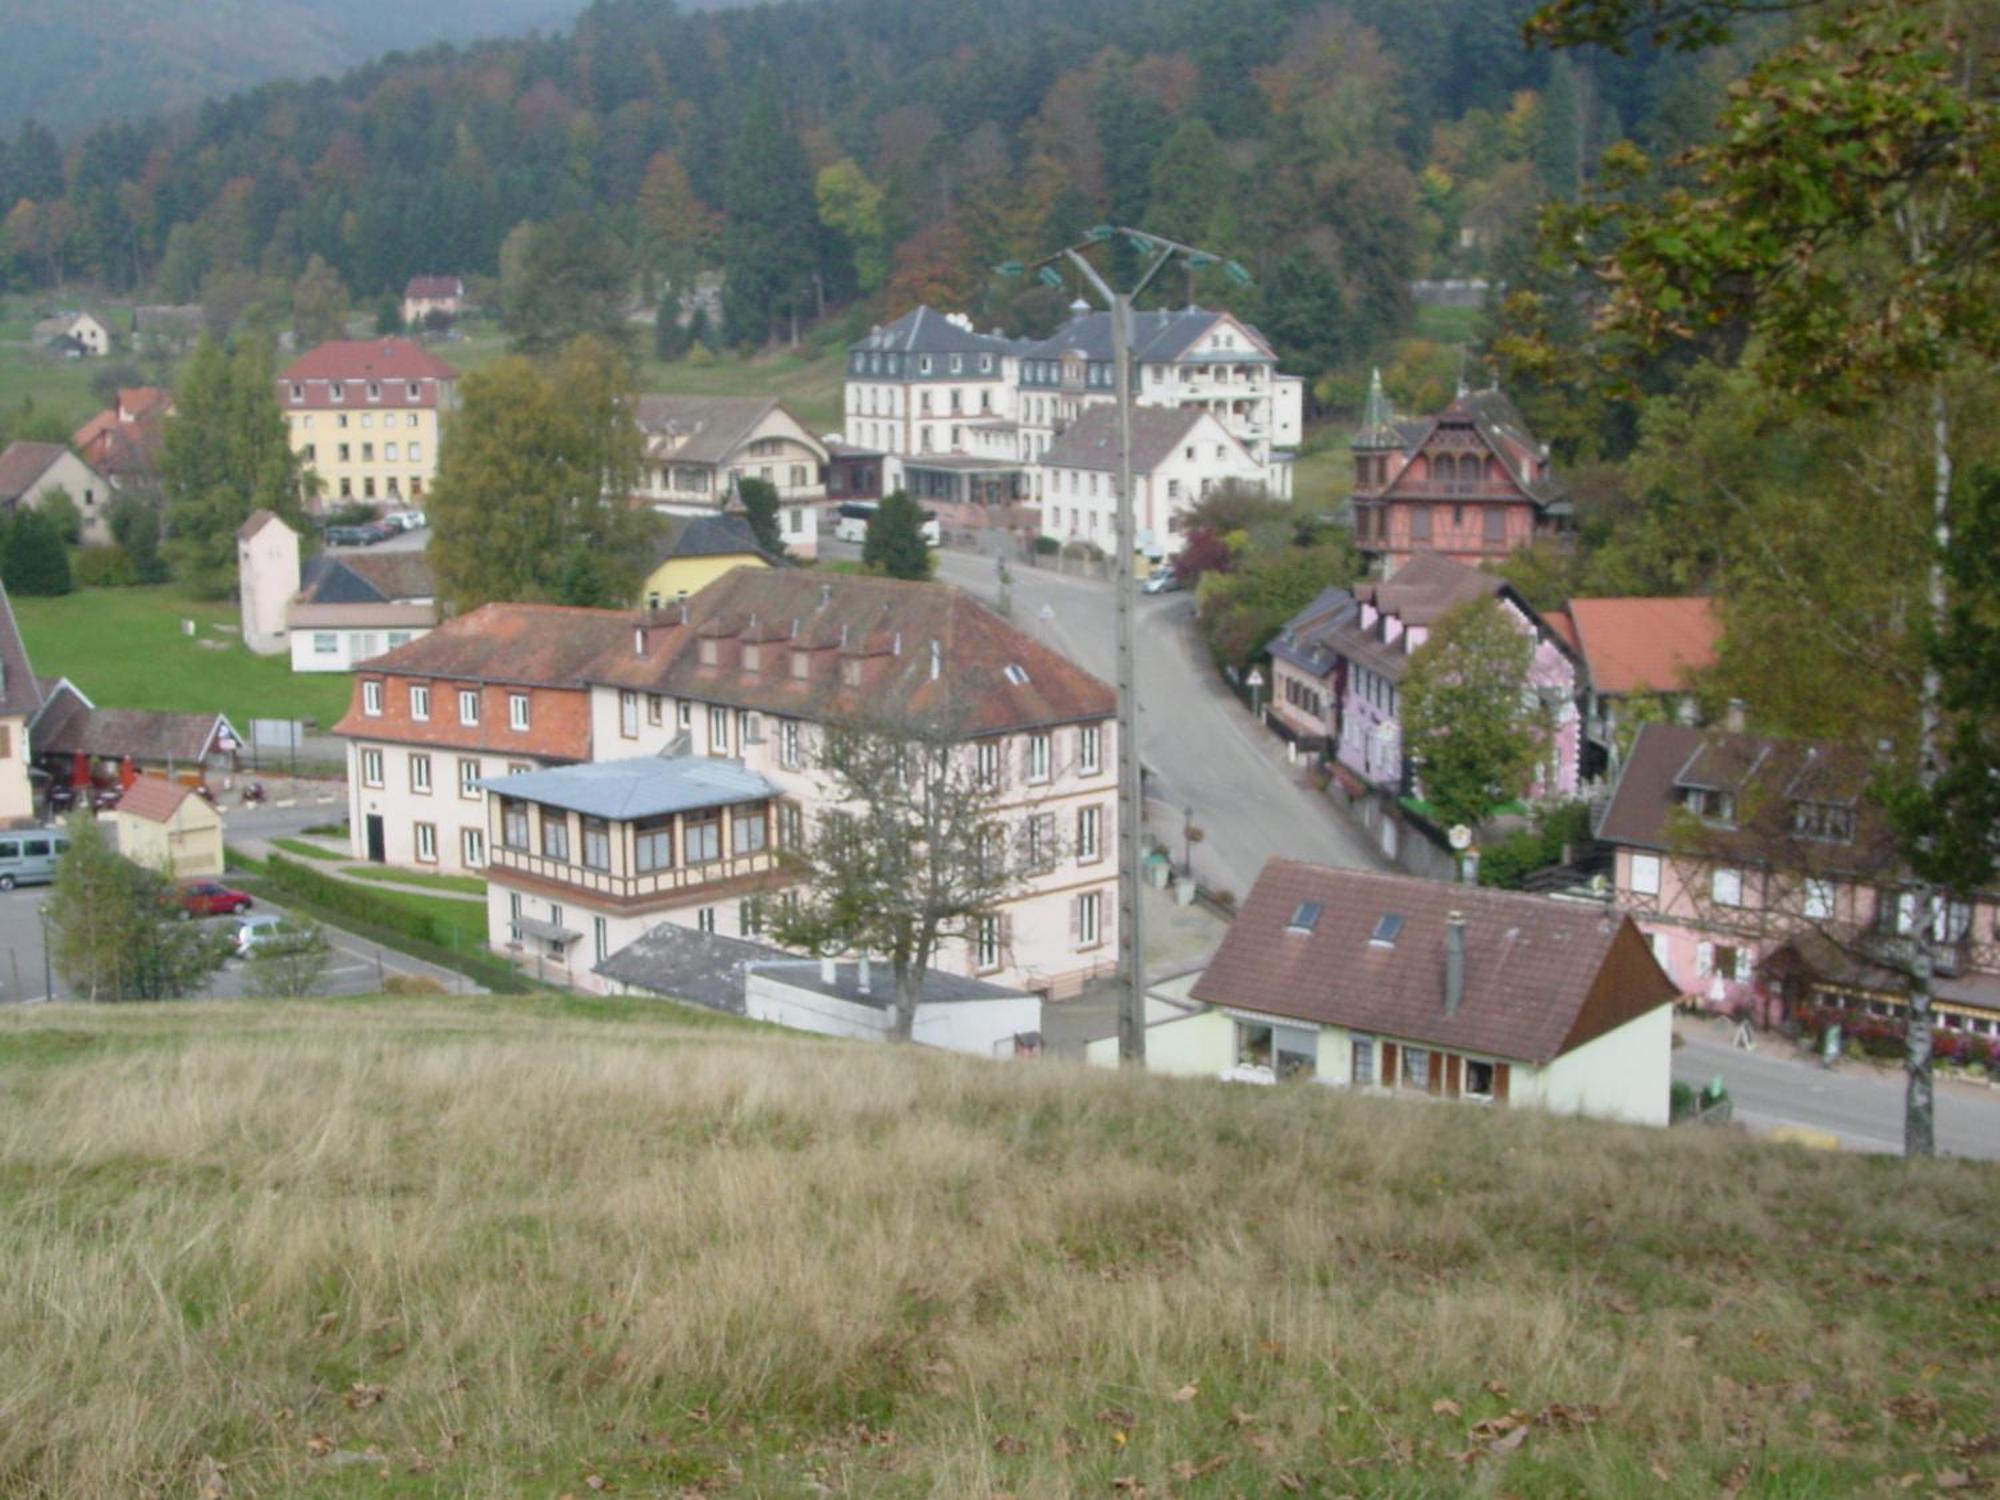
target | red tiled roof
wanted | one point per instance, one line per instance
(433, 288)
(990, 677)
(1541, 976)
(154, 798)
(1636, 645)
(23, 462)
(368, 359)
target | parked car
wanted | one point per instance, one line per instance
(376, 531)
(268, 933)
(1161, 581)
(30, 858)
(405, 520)
(347, 536)
(211, 898)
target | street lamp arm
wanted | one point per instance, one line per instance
(1089, 271)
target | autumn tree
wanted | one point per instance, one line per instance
(570, 281)
(677, 226)
(923, 838)
(1842, 221)
(850, 206)
(1471, 727)
(536, 472)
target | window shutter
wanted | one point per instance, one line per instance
(1453, 1075)
(1388, 1074)
(1434, 1079)
(1500, 1072)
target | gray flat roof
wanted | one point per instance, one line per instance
(644, 786)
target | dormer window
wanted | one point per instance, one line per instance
(923, 364)
(850, 671)
(753, 658)
(298, 392)
(336, 390)
(1710, 804)
(1824, 821)
(374, 390)
(801, 663)
(707, 652)
(412, 390)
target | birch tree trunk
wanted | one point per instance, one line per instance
(1920, 1105)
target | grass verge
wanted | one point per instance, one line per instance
(462, 885)
(308, 851)
(534, 1247)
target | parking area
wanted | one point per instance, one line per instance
(356, 967)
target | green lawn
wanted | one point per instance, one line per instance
(460, 885)
(125, 649)
(309, 851)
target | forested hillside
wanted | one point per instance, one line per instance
(75, 63)
(831, 152)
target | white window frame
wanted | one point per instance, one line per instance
(1725, 886)
(468, 706)
(1089, 920)
(472, 847)
(1819, 899)
(420, 702)
(517, 711)
(371, 699)
(986, 944)
(628, 714)
(1089, 833)
(420, 774)
(426, 836)
(371, 767)
(468, 778)
(1645, 874)
(1089, 752)
(1038, 757)
(788, 744)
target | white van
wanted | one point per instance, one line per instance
(30, 858)
(851, 523)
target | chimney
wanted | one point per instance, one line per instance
(825, 595)
(937, 660)
(896, 648)
(1454, 962)
(638, 640)
(1733, 716)
(684, 611)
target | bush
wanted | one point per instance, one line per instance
(1047, 546)
(37, 562)
(1508, 863)
(105, 568)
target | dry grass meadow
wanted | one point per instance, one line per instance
(548, 1248)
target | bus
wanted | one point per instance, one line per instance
(852, 518)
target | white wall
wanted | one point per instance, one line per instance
(1623, 1075)
(983, 1028)
(351, 647)
(1180, 1043)
(575, 965)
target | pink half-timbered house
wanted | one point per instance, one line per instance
(1764, 878)
(1470, 483)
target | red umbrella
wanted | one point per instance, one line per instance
(79, 769)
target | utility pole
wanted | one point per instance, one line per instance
(1125, 536)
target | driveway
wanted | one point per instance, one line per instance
(356, 967)
(1856, 1102)
(1200, 745)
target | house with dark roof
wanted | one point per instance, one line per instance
(77, 743)
(353, 606)
(1471, 482)
(693, 551)
(1420, 989)
(1636, 649)
(31, 472)
(1338, 668)
(1180, 455)
(502, 689)
(364, 417)
(77, 334)
(850, 998)
(699, 449)
(1766, 878)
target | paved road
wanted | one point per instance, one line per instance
(1856, 1102)
(1201, 745)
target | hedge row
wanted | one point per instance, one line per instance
(379, 915)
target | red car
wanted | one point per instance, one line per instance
(208, 898)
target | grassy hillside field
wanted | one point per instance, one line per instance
(554, 1248)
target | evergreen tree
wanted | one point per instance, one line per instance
(584, 582)
(770, 247)
(226, 453)
(37, 164)
(388, 315)
(1559, 132)
(573, 282)
(1304, 314)
(895, 545)
(1194, 191)
(319, 305)
(135, 526)
(36, 561)
(760, 508)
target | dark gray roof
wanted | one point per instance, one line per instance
(642, 786)
(924, 330)
(683, 964)
(381, 578)
(706, 536)
(1307, 639)
(1091, 441)
(20, 689)
(1163, 334)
